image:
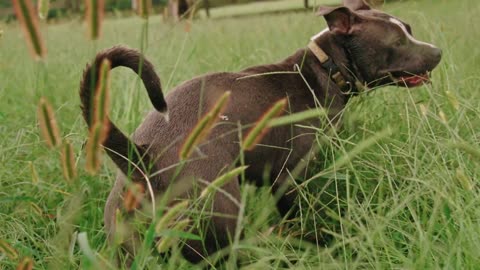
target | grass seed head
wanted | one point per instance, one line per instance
(423, 109)
(203, 128)
(222, 180)
(25, 264)
(29, 23)
(168, 241)
(133, 197)
(36, 209)
(464, 180)
(34, 173)
(5, 248)
(171, 215)
(257, 132)
(94, 16)
(443, 117)
(93, 152)
(68, 162)
(48, 124)
(453, 100)
(101, 99)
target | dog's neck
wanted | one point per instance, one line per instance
(335, 59)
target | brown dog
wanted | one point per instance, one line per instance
(361, 47)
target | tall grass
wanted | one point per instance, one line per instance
(409, 200)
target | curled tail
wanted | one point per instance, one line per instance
(119, 147)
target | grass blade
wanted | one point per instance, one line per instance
(68, 162)
(204, 126)
(48, 123)
(26, 15)
(261, 128)
(221, 181)
(348, 157)
(362, 146)
(85, 248)
(296, 117)
(472, 151)
(94, 16)
(168, 240)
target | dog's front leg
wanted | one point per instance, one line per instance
(285, 195)
(288, 204)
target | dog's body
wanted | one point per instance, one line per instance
(367, 47)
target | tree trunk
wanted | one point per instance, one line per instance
(305, 3)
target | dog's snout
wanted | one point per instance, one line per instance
(437, 54)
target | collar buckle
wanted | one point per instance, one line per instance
(327, 63)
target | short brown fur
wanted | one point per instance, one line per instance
(157, 141)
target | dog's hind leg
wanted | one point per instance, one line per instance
(217, 214)
(218, 223)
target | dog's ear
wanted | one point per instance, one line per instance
(339, 19)
(356, 4)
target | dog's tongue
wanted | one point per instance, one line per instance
(416, 80)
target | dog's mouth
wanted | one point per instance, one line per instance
(410, 80)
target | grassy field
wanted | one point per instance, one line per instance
(261, 8)
(410, 200)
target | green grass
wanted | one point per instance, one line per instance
(408, 200)
(260, 8)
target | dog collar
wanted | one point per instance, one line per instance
(327, 63)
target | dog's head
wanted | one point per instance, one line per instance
(381, 46)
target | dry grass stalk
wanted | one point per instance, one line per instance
(257, 132)
(68, 162)
(93, 149)
(94, 16)
(101, 99)
(26, 15)
(188, 22)
(34, 173)
(133, 197)
(48, 124)
(36, 209)
(42, 8)
(25, 264)
(144, 7)
(5, 248)
(203, 128)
